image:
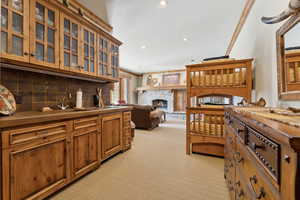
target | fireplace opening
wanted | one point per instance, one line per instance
(160, 103)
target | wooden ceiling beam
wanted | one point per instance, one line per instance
(248, 6)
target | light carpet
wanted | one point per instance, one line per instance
(156, 168)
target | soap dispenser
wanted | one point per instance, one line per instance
(79, 98)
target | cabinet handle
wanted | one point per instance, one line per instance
(239, 130)
(256, 146)
(32, 54)
(238, 157)
(241, 193)
(253, 180)
(26, 53)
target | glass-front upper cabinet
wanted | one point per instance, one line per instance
(89, 51)
(14, 38)
(70, 40)
(44, 41)
(114, 53)
(103, 61)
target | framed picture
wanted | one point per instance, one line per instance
(171, 79)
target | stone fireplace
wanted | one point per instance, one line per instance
(163, 99)
(160, 103)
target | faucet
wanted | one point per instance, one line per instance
(62, 105)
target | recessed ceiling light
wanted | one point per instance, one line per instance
(163, 3)
(143, 47)
(185, 39)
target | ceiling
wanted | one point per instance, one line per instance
(207, 24)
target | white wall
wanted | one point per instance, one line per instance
(258, 40)
(96, 6)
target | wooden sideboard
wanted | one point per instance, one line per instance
(39, 158)
(261, 155)
(58, 36)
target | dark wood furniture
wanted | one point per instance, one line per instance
(58, 36)
(261, 155)
(43, 152)
(204, 124)
(144, 116)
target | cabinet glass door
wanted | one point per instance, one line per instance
(70, 44)
(114, 53)
(44, 46)
(14, 43)
(103, 56)
(89, 51)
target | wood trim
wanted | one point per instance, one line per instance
(173, 87)
(166, 71)
(248, 6)
(130, 72)
(283, 92)
(93, 16)
(229, 63)
(55, 72)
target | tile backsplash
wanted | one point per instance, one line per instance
(34, 91)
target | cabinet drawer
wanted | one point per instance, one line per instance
(242, 191)
(265, 150)
(258, 182)
(41, 132)
(86, 122)
(127, 116)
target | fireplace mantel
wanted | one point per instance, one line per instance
(175, 87)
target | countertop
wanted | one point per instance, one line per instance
(30, 117)
(273, 125)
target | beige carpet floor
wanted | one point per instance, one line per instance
(156, 168)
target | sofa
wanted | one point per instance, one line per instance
(145, 116)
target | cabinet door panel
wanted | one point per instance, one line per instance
(85, 151)
(15, 30)
(111, 135)
(40, 172)
(114, 60)
(103, 56)
(89, 51)
(70, 45)
(44, 39)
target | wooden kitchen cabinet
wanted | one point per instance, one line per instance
(28, 170)
(114, 57)
(89, 51)
(70, 45)
(14, 43)
(103, 56)
(61, 35)
(127, 131)
(112, 135)
(86, 145)
(44, 34)
(40, 156)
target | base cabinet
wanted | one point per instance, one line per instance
(127, 137)
(86, 143)
(38, 160)
(35, 161)
(111, 135)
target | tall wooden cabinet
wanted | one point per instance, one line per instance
(15, 30)
(112, 134)
(54, 35)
